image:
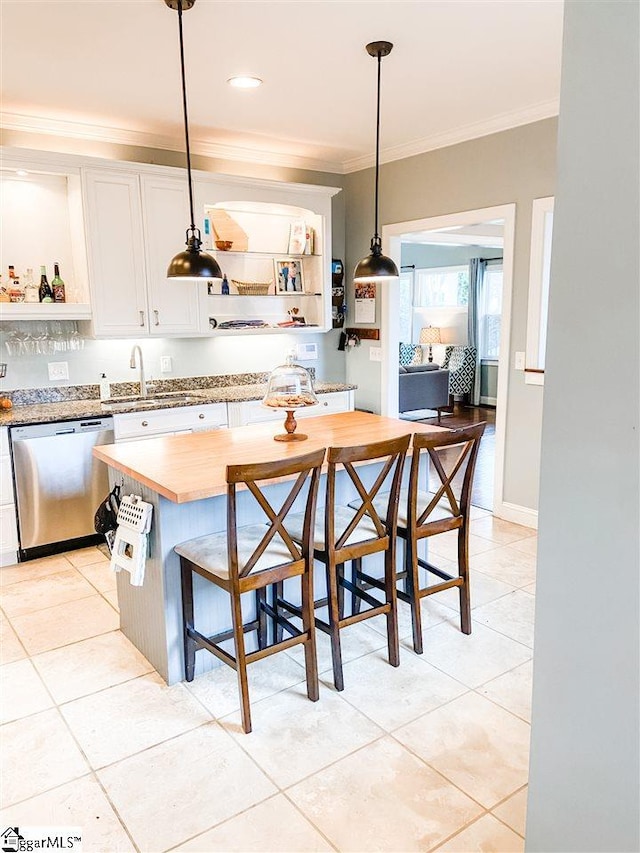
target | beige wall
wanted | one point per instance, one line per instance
(514, 166)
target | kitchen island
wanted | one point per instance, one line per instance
(184, 478)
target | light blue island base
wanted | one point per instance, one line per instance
(151, 614)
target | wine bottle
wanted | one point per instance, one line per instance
(57, 285)
(45, 293)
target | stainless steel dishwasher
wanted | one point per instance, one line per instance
(59, 483)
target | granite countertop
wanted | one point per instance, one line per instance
(43, 411)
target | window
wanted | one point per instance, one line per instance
(490, 310)
(442, 287)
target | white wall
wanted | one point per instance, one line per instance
(584, 792)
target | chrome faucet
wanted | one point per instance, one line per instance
(132, 364)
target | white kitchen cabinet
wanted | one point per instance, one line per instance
(172, 303)
(253, 412)
(113, 216)
(135, 425)
(8, 522)
(135, 225)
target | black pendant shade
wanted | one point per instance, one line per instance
(192, 263)
(376, 266)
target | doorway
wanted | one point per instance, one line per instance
(434, 255)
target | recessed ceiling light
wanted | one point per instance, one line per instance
(245, 82)
(21, 173)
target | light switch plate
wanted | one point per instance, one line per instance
(375, 353)
(58, 370)
(165, 364)
(519, 361)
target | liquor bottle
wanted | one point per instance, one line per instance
(225, 286)
(57, 285)
(45, 293)
(30, 288)
(12, 274)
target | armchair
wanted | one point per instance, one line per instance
(461, 364)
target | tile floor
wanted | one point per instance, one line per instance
(432, 755)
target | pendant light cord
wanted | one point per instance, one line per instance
(184, 109)
(376, 235)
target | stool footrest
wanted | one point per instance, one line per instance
(356, 617)
(434, 570)
(362, 595)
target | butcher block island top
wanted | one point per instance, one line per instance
(191, 467)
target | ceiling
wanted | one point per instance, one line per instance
(109, 70)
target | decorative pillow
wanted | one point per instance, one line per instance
(447, 356)
(410, 354)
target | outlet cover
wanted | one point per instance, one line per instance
(58, 371)
(165, 364)
(519, 361)
(375, 353)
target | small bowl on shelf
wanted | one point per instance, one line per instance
(224, 245)
(252, 288)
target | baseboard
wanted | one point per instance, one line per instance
(488, 401)
(516, 514)
(9, 558)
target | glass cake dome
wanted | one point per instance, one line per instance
(290, 387)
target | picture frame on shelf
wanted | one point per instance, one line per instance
(297, 237)
(289, 275)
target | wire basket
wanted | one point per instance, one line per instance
(252, 288)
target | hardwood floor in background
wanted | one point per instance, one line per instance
(482, 493)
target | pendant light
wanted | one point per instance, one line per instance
(376, 266)
(192, 263)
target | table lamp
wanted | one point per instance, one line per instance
(430, 335)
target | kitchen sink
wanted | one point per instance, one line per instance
(121, 404)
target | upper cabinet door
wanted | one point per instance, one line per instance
(173, 304)
(115, 253)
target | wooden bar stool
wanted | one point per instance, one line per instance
(343, 533)
(251, 558)
(423, 514)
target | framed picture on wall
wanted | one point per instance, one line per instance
(289, 275)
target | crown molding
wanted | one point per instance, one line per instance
(465, 133)
(120, 136)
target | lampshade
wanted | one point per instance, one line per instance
(193, 263)
(376, 266)
(430, 335)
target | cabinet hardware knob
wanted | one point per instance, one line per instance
(201, 416)
(145, 423)
(157, 317)
(142, 318)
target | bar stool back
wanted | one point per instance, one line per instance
(249, 559)
(423, 514)
(343, 533)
